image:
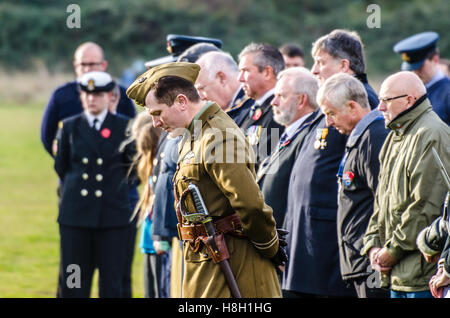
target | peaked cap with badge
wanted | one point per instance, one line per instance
(94, 82)
(139, 89)
(415, 49)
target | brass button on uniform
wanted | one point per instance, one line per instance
(99, 177)
(84, 192)
(85, 176)
(98, 193)
(85, 160)
(99, 161)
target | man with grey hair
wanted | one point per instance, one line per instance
(294, 106)
(259, 65)
(218, 81)
(343, 100)
(341, 51)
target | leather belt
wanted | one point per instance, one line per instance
(228, 225)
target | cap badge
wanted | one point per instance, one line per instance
(90, 85)
(405, 57)
(142, 79)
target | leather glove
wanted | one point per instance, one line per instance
(280, 257)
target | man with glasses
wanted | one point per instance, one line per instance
(65, 100)
(410, 187)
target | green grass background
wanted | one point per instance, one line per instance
(29, 239)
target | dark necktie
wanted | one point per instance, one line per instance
(283, 138)
(94, 125)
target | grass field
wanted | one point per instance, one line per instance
(29, 239)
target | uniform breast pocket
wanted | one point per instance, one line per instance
(187, 174)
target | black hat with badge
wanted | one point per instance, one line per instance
(415, 49)
(177, 44)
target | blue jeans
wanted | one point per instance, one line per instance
(421, 294)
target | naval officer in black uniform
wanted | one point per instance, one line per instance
(94, 214)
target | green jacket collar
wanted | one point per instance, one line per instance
(405, 119)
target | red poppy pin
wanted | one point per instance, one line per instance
(348, 178)
(257, 114)
(105, 132)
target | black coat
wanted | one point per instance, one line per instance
(261, 129)
(313, 265)
(274, 172)
(357, 185)
(93, 173)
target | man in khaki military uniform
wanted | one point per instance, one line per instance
(215, 156)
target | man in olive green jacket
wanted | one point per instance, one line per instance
(410, 190)
(215, 156)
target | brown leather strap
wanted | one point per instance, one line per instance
(227, 225)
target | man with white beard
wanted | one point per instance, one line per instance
(294, 105)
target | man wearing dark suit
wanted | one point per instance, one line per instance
(293, 107)
(218, 81)
(259, 65)
(94, 212)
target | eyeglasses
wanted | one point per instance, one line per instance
(386, 99)
(89, 64)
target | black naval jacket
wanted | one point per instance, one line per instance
(358, 180)
(93, 173)
(258, 128)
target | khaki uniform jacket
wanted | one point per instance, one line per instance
(227, 188)
(410, 193)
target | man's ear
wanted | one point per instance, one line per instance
(181, 102)
(222, 77)
(352, 107)
(268, 72)
(345, 65)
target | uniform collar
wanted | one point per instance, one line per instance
(436, 78)
(100, 117)
(403, 121)
(362, 125)
(260, 101)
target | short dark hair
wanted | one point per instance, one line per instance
(167, 88)
(343, 44)
(291, 50)
(264, 55)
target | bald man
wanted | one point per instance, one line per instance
(410, 190)
(218, 81)
(65, 100)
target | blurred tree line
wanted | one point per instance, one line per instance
(131, 29)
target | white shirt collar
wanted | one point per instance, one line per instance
(100, 117)
(293, 127)
(262, 99)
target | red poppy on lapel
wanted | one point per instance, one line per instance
(105, 132)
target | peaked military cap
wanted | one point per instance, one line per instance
(415, 49)
(177, 44)
(93, 82)
(139, 89)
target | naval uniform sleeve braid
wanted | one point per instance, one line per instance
(423, 198)
(237, 182)
(62, 154)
